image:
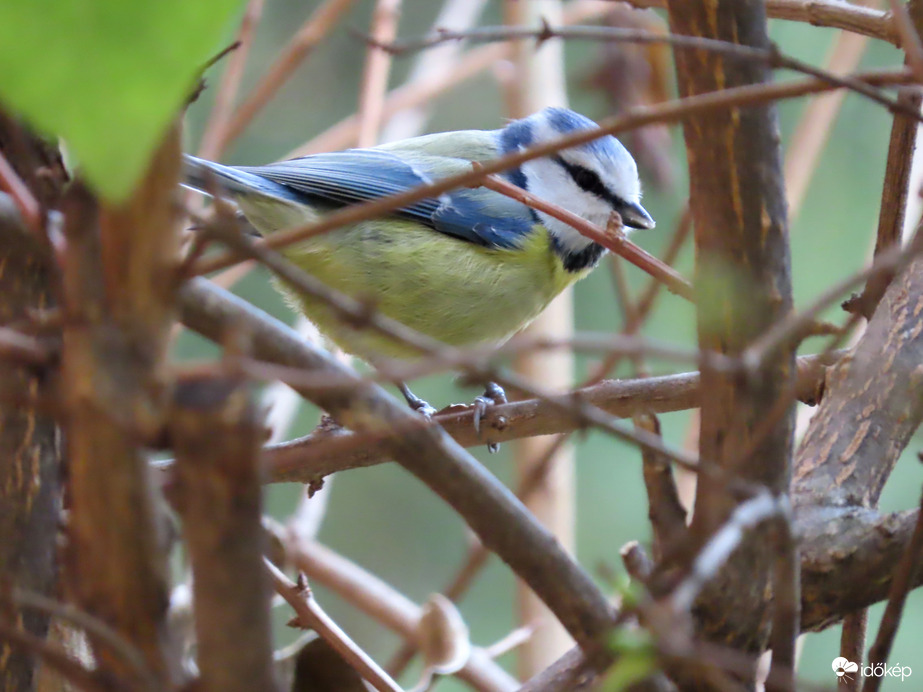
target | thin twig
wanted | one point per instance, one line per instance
(816, 122)
(616, 242)
(385, 605)
(910, 39)
(836, 14)
(852, 644)
(897, 596)
(646, 302)
(377, 70)
(747, 515)
(895, 259)
(312, 32)
(311, 615)
(786, 606)
(214, 139)
(426, 88)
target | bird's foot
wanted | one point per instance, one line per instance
(493, 396)
(416, 403)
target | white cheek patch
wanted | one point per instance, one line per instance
(550, 182)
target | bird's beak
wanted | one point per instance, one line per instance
(635, 216)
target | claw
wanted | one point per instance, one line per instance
(416, 403)
(493, 395)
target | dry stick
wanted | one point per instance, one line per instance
(118, 312)
(385, 605)
(894, 195)
(311, 616)
(746, 516)
(670, 111)
(897, 596)
(771, 56)
(217, 433)
(500, 520)
(816, 122)
(311, 458)
(895, 259)
(421, 91)
(377, 69)
(852, 643)
(909, 38)
(786, 606)
(665, 510)
(647, 299)
(215, 139)
(830, 13)
(616, 242)
(477, 555)
(314, 30)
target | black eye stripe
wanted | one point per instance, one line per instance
(589, 181)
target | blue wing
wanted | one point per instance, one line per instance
(477, 215)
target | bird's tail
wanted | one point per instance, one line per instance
(208, 176)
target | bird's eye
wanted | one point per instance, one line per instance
(584, 178)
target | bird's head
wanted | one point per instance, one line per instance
(591, 180)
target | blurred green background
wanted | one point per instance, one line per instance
(383, 518)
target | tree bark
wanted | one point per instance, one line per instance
(30, 499)
(744, 286)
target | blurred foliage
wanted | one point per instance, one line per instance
(112, 105)
(388, 522)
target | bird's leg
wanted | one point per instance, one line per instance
(415, 402)
(493, 395)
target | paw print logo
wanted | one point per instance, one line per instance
(843, 667)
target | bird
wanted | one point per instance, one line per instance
(469, 267)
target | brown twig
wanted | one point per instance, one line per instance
(118, 312)
(909, 38)
(830, 13)
(666, 112)
(646, 302)
(215, 139)
(427, 88)
(786, 605)
(377, 70)
(852, 643)
(381, 602)
(908, 566)
(894, 259)
(311, 458)
(816, 122)
(217, 434)
(616, 242)
(665, 511)
(894, 195)
(310, 615)
(313, 31)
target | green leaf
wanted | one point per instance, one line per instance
(106, 75)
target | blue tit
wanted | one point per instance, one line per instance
(471, 266)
